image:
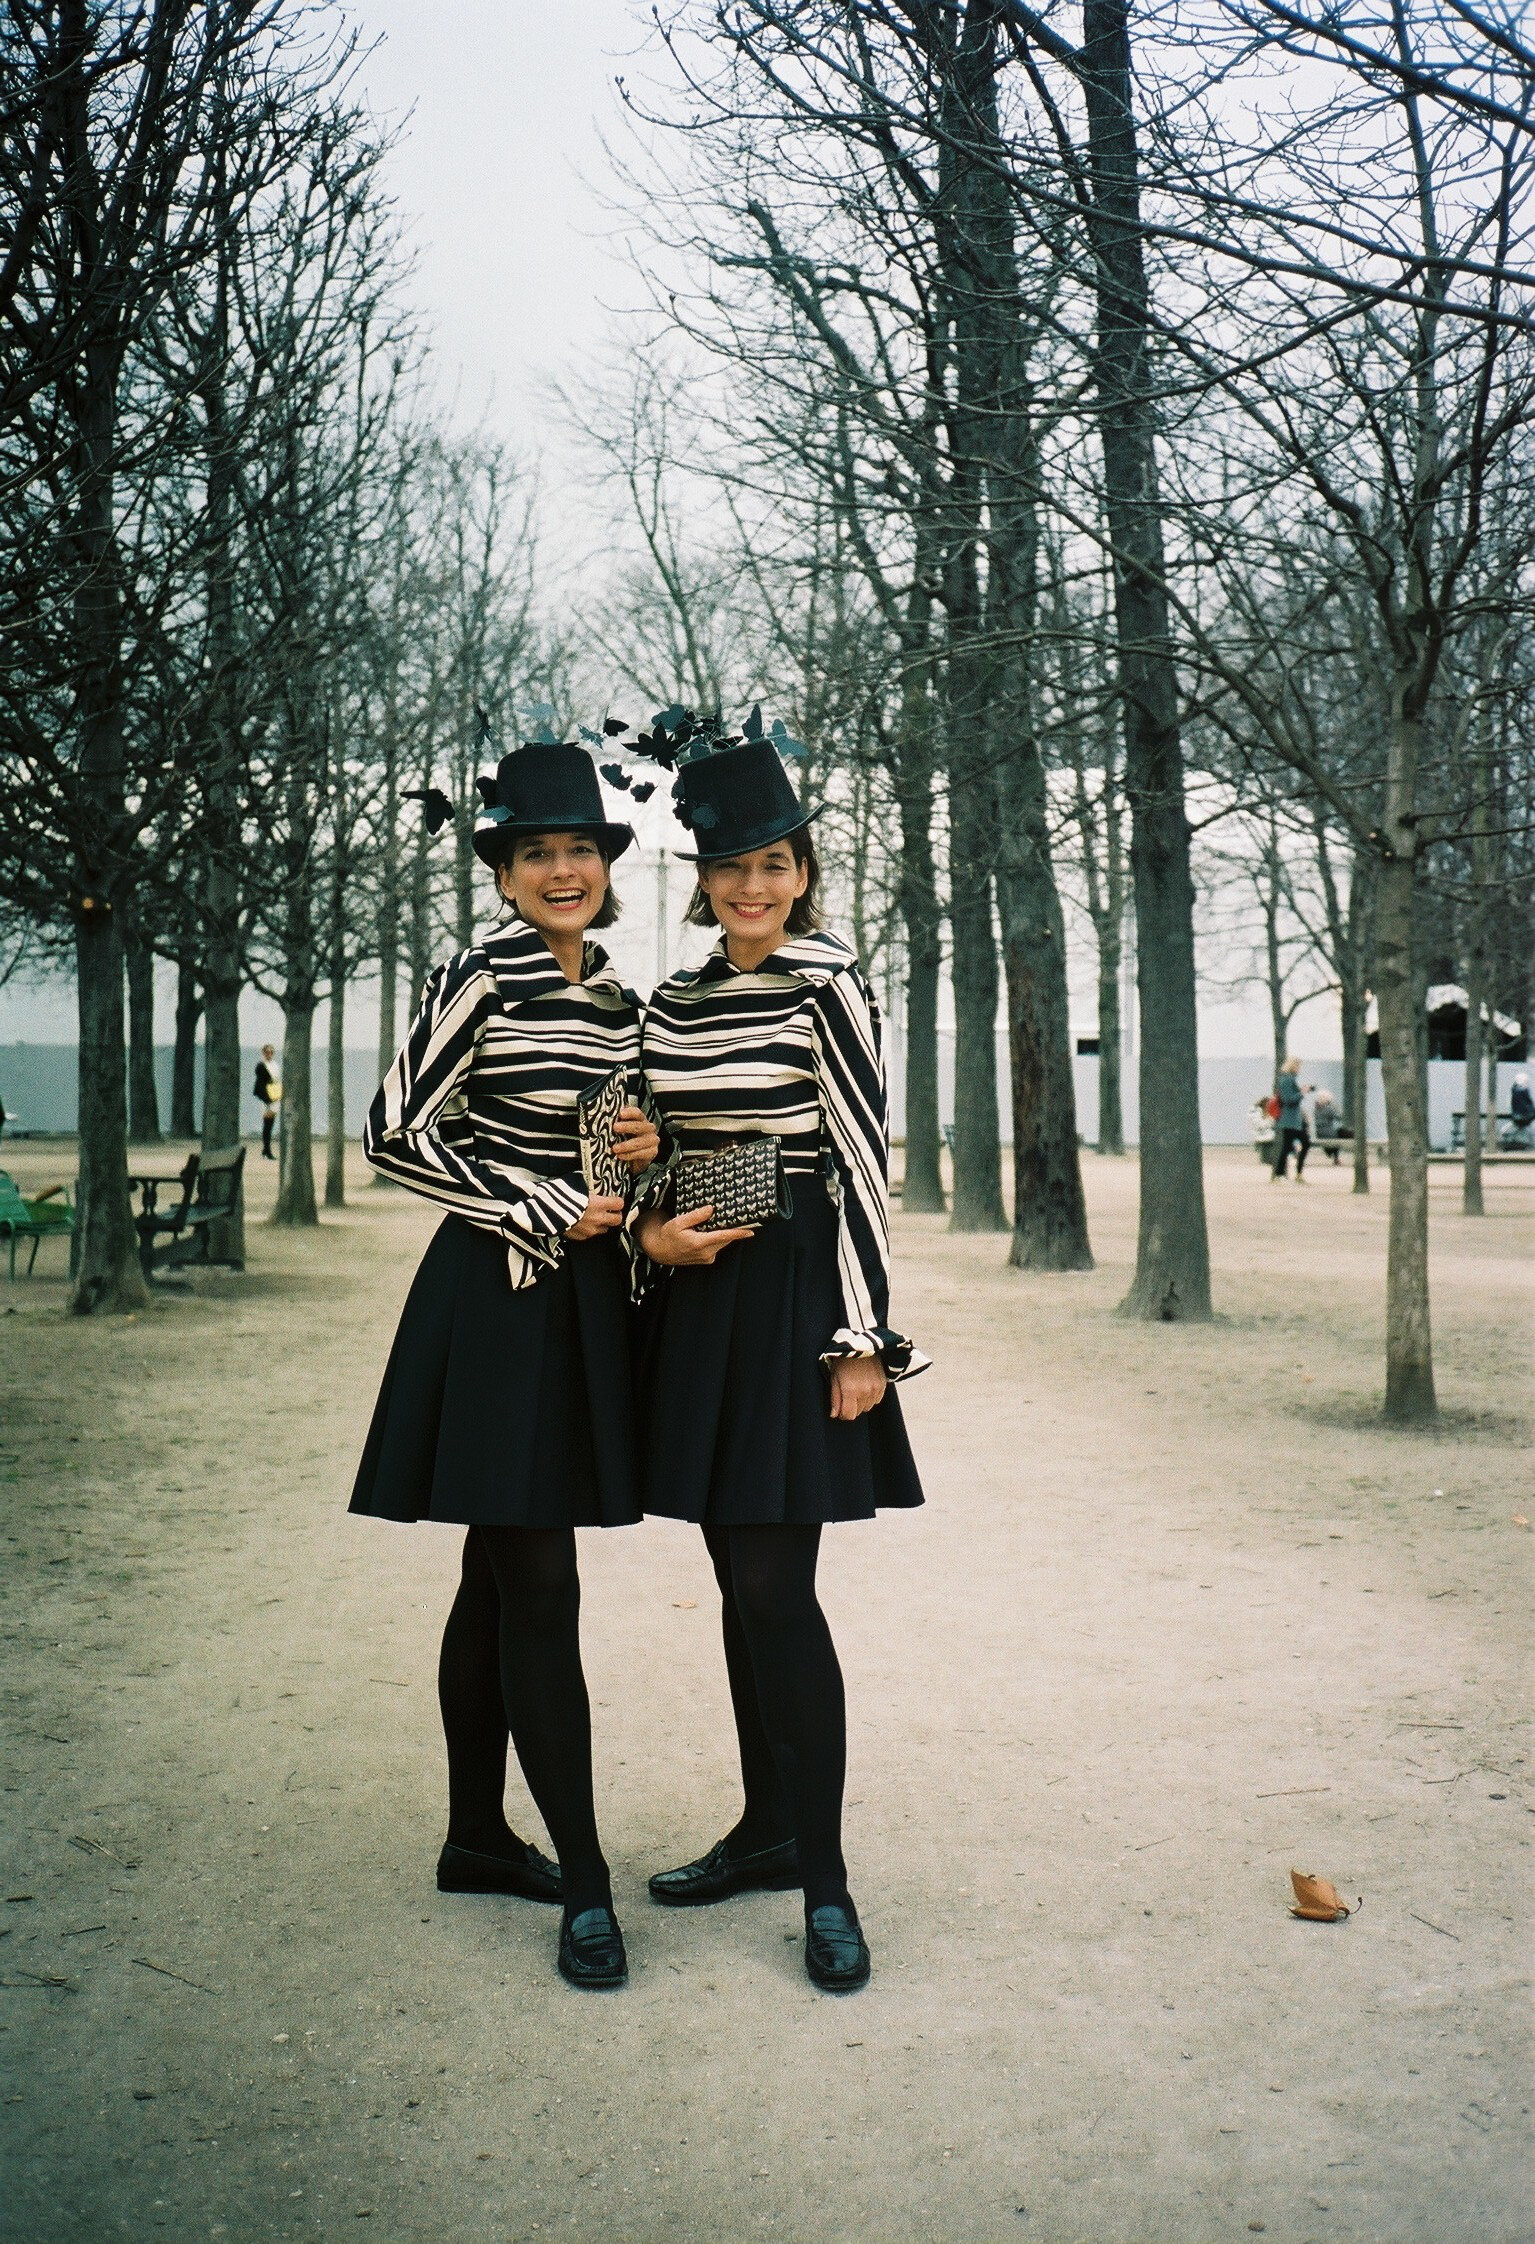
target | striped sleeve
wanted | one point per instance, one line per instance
(850, 1073)
(405, 1137)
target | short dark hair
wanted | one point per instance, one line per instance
(607, 911)
(805, 911)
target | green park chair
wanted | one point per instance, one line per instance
(36, 1220)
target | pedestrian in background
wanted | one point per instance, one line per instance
(1291, 1133)
(268, 1090)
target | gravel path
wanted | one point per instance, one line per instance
(1177, 1617)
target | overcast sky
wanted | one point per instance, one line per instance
(500, 174)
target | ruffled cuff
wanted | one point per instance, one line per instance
(647, 1193)
(900, 1359)
(534, 1227)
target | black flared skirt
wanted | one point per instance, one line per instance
(502, 1408)
(735, 1398)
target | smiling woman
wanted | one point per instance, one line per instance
(507, 1405)
(768, 1393)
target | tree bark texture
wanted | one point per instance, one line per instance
(1409, 1352)
(1356, 1080)
(1471, 1189)
(335, 1083)
(922, 1178)
(107, 1272)
(295, 1204)
(189, 1011)
(1111, 1116)
(143, 1097)
(1172, 1275)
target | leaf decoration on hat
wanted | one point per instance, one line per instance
(486, 784)
(539, 717)
(752, 729)
(784, 741)
(615, 727)
(615, 775)
(437, 807)
(642, 789)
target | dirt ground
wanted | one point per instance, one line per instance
(1178, 1615)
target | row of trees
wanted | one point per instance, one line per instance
(1106, 460)
(253, 591)
(1165, 416)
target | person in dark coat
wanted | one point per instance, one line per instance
(1290, 1132)
(266, 1088)
(507, 1407)
(767, 1379)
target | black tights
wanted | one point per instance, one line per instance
(786, 1688)
(511, 1662)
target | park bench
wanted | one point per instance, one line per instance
(45, 1216)
(175, 1231)
(160, 1222)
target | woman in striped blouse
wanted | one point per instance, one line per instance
(768, 1379)
(507, 1403)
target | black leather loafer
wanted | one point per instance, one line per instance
(717, 1874)
(531, 1874)
(836, 1953)
(592, 1950)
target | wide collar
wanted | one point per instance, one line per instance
(813, 958)
(525, 969)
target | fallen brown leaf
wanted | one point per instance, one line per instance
(685, 1604)
(1317, 1899)
(1520, 1520)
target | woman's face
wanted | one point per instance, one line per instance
(753, 894)
(556, 881)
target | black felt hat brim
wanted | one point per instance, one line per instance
(491, 843)
(754, 837)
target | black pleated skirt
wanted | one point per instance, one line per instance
(502, 1408)
(734, 1397)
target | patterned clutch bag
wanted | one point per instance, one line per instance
(597, 1112)
(744, 1183)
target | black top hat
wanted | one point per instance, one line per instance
(545, 787)
(738, 799)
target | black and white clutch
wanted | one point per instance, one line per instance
(597, 1112)
(744, 1183)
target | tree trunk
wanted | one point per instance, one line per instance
(922, 1178)
(389, 921)
(295, 1206)
(143, 1097)
(107, 1272)
(1352, 1007)
(1471, 1189)
(1409, 1352)
(1049, 1211)
(1111, 1119)
(1172, 1273)
(1279, 1026)
(335, 1084)
(222, 957)
(189, 1008)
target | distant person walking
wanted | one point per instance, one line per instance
(268, 1090)
(1521, 1112)
(1290, 1131)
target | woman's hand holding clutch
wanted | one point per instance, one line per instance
(681, 1241)
(636, 1140)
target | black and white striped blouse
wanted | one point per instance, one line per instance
(792, 1048)
(478, 1111)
